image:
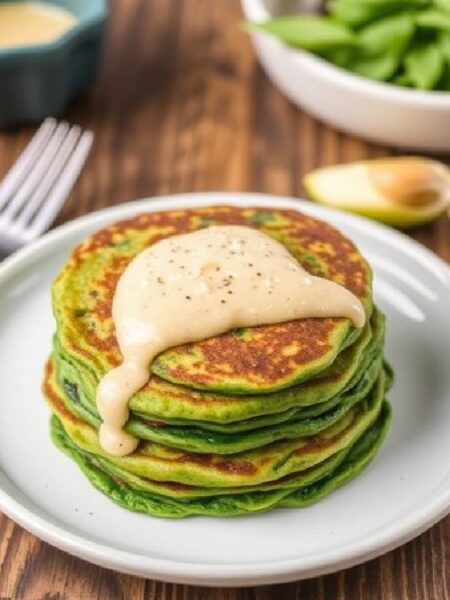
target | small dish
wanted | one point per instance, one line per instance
(376, 111)
(37, 81)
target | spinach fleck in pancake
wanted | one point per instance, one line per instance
(250, 360)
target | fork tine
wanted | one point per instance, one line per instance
(37, 172)
(19, 170)
(63, 186)
(50, 177)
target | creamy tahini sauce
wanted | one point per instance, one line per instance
(411, 181)
(25, 23)
(198, 285)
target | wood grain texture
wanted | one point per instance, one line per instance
(182, 105)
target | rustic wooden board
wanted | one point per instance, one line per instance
(182, 105)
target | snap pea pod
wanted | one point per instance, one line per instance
(434, 19)
(381, 46)
(442, 4)
(356, 13)
(309, 32)
(424, 65)
(444, 45)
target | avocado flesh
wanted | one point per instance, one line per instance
(349, 187)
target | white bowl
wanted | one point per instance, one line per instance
(376, 111)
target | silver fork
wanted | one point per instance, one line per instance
(36, 187)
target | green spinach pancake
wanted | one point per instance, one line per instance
(258, 417)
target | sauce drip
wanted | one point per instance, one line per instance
(198, 285)
(27, 23)
(410, 181)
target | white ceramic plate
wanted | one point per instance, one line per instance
(404, 491)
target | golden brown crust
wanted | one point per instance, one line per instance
(271, 352)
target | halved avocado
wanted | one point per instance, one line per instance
(399, 191)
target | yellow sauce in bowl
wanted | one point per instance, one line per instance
(30, 23)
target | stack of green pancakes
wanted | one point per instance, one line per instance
(256, 418)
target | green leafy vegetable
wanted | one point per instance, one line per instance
(380, 67)
(443, 84)
(424, 65)
(442, 4)
(309, 32)
(402, 79)
(444, 44)
(434, 19)
(381, 47)
(403, 42)
(356, 13)
(339, 56)
(390, 34)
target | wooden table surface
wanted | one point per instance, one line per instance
(182, 105)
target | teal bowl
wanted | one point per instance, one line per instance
(38, 81)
